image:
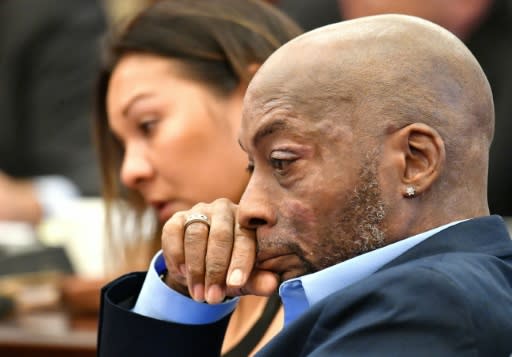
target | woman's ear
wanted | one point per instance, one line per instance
(253, 68)
(423, 154)
(251, 71)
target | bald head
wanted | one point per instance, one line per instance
(395, 64)
(378, 74)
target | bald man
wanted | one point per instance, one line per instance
(368, 144)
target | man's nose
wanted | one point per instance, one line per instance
(255, 207)
(135, 168)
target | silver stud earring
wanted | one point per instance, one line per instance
(410, 192)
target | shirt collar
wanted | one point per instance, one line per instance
(300, 293)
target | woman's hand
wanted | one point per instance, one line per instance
(211, 262)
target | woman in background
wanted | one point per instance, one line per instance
(169, 106)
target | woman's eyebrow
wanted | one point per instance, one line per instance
(131, 102)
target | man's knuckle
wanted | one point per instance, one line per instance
(194, 270)
(240, 259)
(216, 270)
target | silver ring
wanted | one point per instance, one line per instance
(196, 218)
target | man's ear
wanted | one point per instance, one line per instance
(423, 155)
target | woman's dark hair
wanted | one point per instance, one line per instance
(215, 42)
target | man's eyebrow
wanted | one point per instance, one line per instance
(269, 128)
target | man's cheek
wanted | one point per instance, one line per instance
(301, 219)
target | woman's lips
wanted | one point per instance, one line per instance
(165, 210)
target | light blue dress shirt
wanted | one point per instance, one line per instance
(158, 301)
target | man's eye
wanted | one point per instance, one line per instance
(278, 164)
(280, 160)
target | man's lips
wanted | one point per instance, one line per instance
(276, 263)
(287, 266)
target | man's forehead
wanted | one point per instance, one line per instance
(265, 118)
(283, 119)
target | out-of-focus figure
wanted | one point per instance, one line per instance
(48, 55)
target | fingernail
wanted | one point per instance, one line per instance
(198, 292)
(235, 278)
(183, 269)
(214, 295)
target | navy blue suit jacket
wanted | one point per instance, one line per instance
(451, 295)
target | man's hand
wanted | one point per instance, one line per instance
(215, 262)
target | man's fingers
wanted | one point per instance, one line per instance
(172, 244)
(260, 282)
(204, 258)
(242, 257)
(195, 242)
(178, 283)
(220, 245)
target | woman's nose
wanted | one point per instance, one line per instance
(136, 168)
